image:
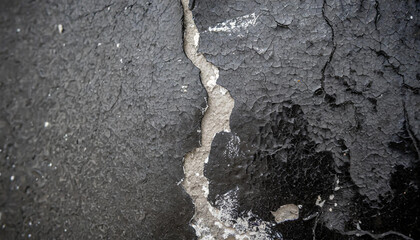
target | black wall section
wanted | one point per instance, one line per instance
(326, 104)
(96, 116)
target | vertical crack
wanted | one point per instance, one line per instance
(410, 132)
(378, 15)
(216, 119)
(333, 48)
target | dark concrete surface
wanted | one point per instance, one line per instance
(99, 105)
(326, 104)
(95, 121)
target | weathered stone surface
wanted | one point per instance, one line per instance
(326, 105)
(98, 105)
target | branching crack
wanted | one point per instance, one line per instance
(396, 69)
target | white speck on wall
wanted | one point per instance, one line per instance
(99, 44)
(50, 165)
(109, 8)
(60, 28)
(12, 178)
(180, 181)
(411, 17)
(121, 61)
(236, 24)
(337, 187)
(18, 30)
(184, 88)
(118, 45)
(197, 174)
(331, 197)
(46, 124)
(207, 160)
(319, 202)
(330, 209)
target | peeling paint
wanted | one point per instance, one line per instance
(286, 212)
(210, 222)
(235, 25)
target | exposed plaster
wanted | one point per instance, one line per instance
(216, 119)
(210, 222)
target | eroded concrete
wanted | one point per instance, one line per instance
(286, 212)
(210, 222)
(216, 119)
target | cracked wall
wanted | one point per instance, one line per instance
(209, 119)
(320, 121)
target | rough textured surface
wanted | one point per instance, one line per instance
(216, 119)
(326, 114)
(98, 106)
